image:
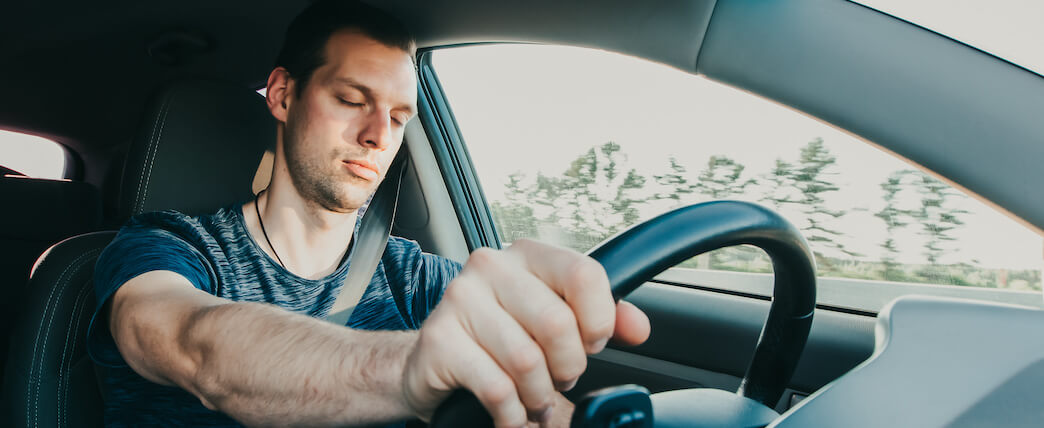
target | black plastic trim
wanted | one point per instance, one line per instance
(458, 171)
(763, 297)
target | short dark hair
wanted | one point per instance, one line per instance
(304, 47)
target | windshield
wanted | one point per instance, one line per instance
(1009, 29)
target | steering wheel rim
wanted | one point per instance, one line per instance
(639, 253)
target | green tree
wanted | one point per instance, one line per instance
(720, 179)
(677, 183)
(804, 185)
(939, 216)
(600, 196)
(895, 219)
(514, 218)
(779, 185)
(595, 197)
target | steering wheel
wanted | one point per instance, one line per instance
(638, 254)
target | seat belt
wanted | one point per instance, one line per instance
(370, 241)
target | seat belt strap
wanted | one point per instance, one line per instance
(370, 241)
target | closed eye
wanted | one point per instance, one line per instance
(349, 103)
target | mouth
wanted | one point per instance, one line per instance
(363, 169)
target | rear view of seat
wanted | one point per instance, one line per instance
(35, 214)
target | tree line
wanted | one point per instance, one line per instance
(598, 195)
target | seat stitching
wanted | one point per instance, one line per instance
(148, 178)
(148, 150)
(66, 351)
(40, 331)
(146, 171)
(63, 284)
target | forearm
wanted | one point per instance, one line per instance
(265, 366)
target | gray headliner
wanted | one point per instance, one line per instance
(666, 31)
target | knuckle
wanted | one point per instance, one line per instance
(587, 274)
(526, 360)
(498, 392)
(601, 328)
(571, 369)
(483, 256)
(557, 321)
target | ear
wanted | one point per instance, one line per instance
(279, 93)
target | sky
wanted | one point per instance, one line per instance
(563, 100)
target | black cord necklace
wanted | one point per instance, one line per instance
(257, 209)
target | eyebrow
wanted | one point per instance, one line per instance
(368, 92)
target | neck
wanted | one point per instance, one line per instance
(310, 240)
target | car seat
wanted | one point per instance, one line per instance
(198, 148)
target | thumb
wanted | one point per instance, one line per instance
(632, 325)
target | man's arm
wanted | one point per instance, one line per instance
(259, 364)
(515, 328)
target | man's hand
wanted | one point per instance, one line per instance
(515, 327)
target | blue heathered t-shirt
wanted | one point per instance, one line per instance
(217, 255)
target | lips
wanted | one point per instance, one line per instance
(363, 168)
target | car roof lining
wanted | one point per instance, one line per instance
(80, 72)
(667, 31)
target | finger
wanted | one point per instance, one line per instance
(542, 313)
(632, 325)
(580, 280)
(501, 336)
(493, 387)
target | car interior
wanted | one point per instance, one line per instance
(157, 105)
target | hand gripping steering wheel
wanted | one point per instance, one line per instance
(638, 254)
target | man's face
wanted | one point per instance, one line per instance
(345, 128)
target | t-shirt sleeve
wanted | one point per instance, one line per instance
(138, 249)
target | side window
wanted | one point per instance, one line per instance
(30, 156)
(573, 145)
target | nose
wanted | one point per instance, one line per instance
(376, 133)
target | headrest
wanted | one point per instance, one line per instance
(197, 149)
(47, 210)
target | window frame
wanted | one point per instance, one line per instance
(455, 164)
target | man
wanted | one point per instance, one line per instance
(212, 320)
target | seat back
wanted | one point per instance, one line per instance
(36, 213)
(49, 379)
(198, 149)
